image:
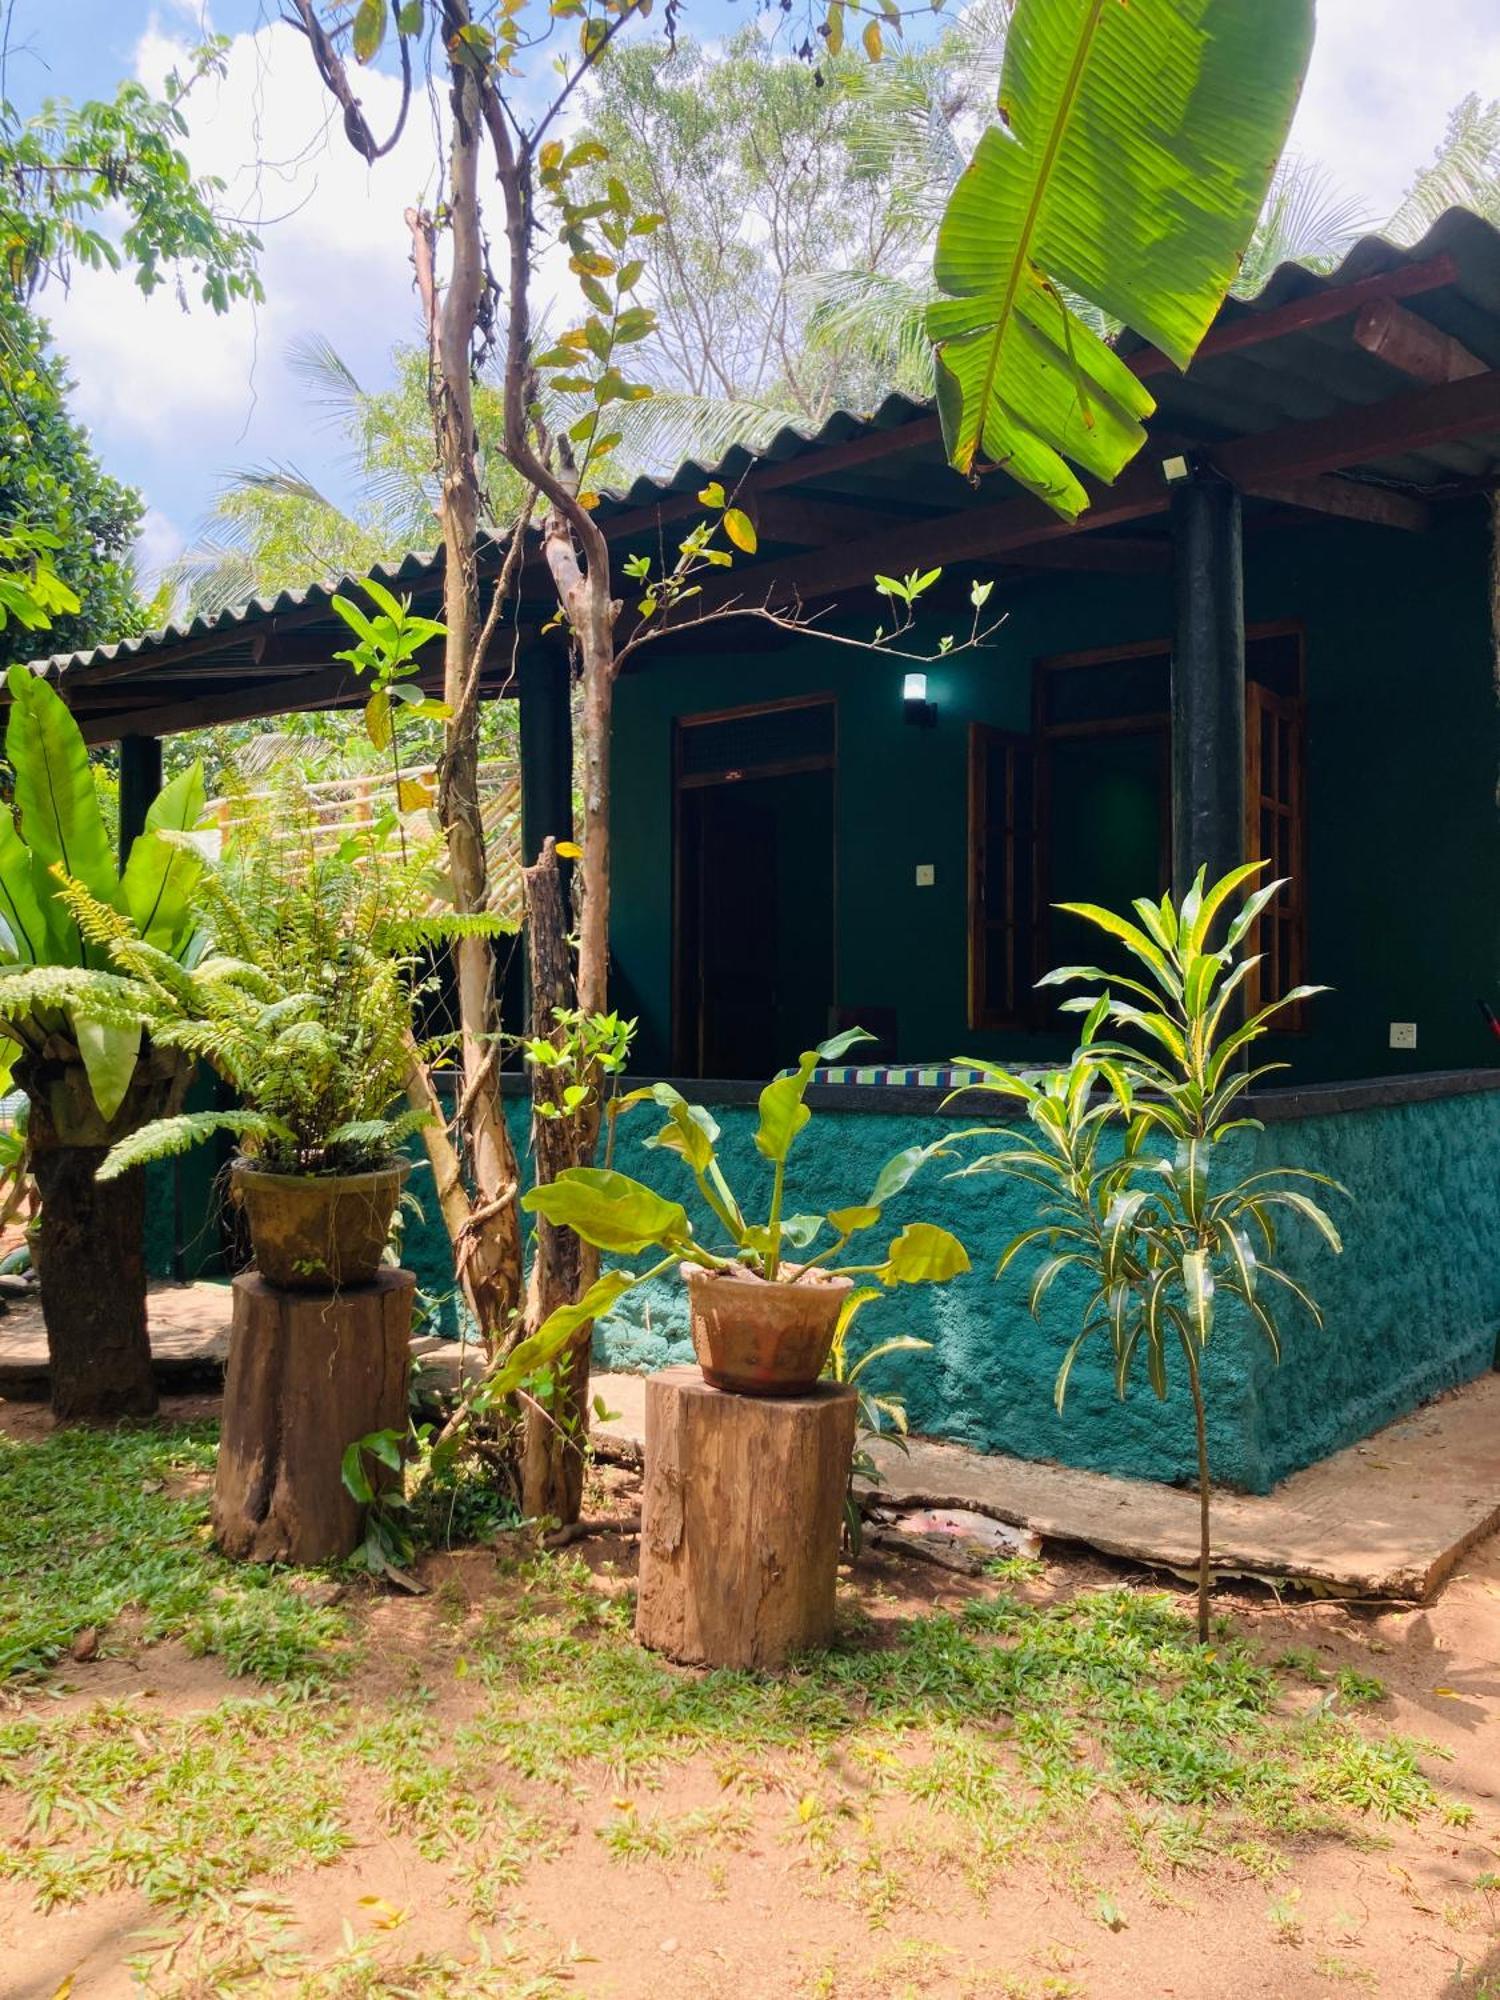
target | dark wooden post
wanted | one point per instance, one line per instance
(140, 781)
(1208, 680)
(546, 749)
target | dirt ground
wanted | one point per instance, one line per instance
(854, 1897)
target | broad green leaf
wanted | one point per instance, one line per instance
(923, 1254)
(1137, 145)
(609, 1210)
(21, 908)
(801, 1231)
(160, 875)
(555, 1333)
(898, 1172)
(740, 529)
(109, 1056)
(782, 1111)
(849, 1221)
(369, 29)
(55, 795)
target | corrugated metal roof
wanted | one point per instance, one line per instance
(1298, 376)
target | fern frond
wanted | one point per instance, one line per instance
(165, 1137)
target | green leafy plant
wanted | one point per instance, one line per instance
(622, 1216)
(386, 644)
(54, 833)
(303, 1006)
(878, 1414)
(1135, 148)
(1160, 1235)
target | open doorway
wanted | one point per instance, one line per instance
(756, 889)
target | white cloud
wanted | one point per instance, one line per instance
(159, 543)
(160, 385)
(1384, 75)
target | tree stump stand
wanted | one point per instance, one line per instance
(740, 1518)
(308, 1373)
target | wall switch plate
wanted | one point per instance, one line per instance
(926, 874)
(1403, 1034)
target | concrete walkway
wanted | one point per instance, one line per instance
(1387, 1518)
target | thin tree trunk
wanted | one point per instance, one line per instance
(1200, 1423)
(488, 1239)
(563, 1266)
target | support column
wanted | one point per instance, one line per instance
(546, 749)
(1208, 680)
(140, 781)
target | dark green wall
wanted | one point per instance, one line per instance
(1404, 840)
(1412, 1307)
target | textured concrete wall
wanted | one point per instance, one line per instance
(1412, 1307)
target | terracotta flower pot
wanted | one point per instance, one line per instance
(318, 1232)
(762, 1339)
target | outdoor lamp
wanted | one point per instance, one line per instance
(918, 708)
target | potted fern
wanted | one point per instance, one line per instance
(302, 1006)
(763, 1324)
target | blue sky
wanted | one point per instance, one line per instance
(176, 400)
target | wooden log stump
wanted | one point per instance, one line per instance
(740, 1520)
(308, 1373)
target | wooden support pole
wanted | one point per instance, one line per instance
(546, 749)
(140, 781)
(1208, 680)
(740, 1518)
(308, 1374)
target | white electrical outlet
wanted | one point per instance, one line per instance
(926, 874)
(1403, 1034)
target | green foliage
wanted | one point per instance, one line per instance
(1136, 146)
(386, 646)
(1153, 1231)
(619, 1214)
(303, 1005)
(876, 1412)
(754, 165)
(54, 494)
(583, 1050)
(69, 167)
(52, 984)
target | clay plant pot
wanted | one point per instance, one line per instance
(318, 1232)
(761, 1339)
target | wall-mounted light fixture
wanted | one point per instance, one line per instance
(917, 708)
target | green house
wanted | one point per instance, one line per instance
(1275, 637)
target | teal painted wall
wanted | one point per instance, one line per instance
(1412, 1307)
(1403, 750)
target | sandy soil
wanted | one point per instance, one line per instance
(1403, 1915)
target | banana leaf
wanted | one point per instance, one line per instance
(1136, 147)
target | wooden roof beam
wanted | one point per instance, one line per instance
(1346, 500)
(1451, 413)
(1412, 345)
(1321, 308)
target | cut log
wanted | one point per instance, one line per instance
(740, 1517)
(309, 1372)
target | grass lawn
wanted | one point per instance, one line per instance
(216, 1779)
